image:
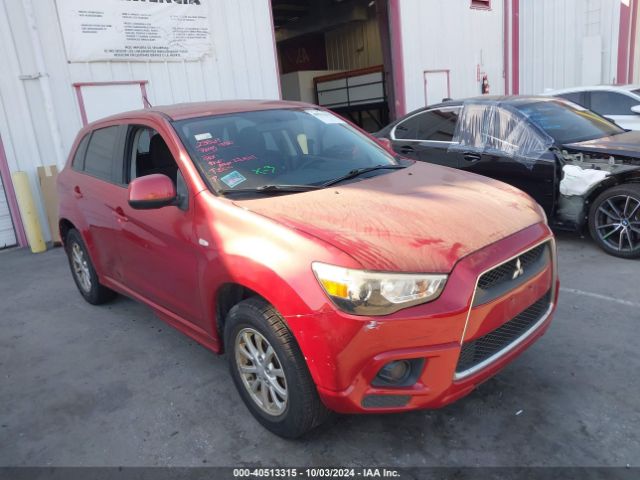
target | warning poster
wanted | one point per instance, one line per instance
(144, 30)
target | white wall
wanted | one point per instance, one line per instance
(566, 43)
(448, 34)
(243, 66)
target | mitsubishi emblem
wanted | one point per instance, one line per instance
(519, 271)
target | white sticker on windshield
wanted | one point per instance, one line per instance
(233, 179)
(203, 136)
(326, 117)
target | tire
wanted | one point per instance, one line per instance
(614, 220)
(83, 271)
(301, 409)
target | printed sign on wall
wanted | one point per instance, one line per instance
(144, 30)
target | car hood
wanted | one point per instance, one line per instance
(423, 218)
(626, 144)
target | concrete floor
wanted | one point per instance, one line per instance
(114, 385)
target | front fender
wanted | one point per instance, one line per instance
(274, 261)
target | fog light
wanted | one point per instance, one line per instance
(394, 372)
(399, 373)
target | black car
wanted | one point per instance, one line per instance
(580, 167)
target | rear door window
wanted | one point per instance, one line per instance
(102, 146)
(436, 125)
(78, 159)
(407, 129)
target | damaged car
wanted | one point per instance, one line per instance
(581, 168)
(335, 275)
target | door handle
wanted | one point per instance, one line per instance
(407, 149)
(77, 192)
(471, 157)
(120, 215)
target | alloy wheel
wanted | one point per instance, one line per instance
(617, 222)
(261, 371)
(81, 267)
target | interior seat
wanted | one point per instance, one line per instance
(252, 142)
(160, 160)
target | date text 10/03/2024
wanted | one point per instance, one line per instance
(315, 473)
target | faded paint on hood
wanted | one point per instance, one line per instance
(625, 144)
(423, 218)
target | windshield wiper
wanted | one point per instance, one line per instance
(268, 189)
(275, 189)
(360, 171)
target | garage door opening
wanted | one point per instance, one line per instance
(336, 53)
(11, 230)
(7, 232)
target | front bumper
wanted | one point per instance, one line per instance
(345, 352)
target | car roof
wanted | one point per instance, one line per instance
(483, 99)
(183, 111)
(491, 99)
(605, 88)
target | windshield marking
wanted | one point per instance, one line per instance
(233, 179)
(265, 170)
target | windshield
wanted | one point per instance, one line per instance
(250, 150)
(567, 123)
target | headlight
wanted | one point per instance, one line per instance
(376, 293)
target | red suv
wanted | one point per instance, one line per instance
(335, 274)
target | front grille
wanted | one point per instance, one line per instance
(480, 349)
(504, 272)
(500, 280)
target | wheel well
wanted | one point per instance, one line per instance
(64, 226)
(612, 181)
(229, 295)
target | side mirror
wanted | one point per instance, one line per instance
(151, 192)
(636, 109)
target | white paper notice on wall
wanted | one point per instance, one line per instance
(127, 30)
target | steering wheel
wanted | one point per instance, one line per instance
(304, 161)
(341, 151)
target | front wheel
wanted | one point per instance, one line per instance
(614, 220)
(269, 370)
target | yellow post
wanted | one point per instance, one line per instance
(28, 212)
